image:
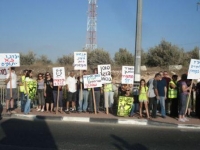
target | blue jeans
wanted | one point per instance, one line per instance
(23, 101)
(162, 105)
(27, 107)
(83, 100)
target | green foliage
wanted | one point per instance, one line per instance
(165, 54)
(27, 59)
(97, 57)
(124, 57)
(44, 60)
(66, 60)
(143, 58)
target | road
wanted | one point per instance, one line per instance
(16, 134)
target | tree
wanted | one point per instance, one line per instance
(165, 54)
(27, 59)
(44, 60)
(66, 60)
(124, 57)
(97, 57)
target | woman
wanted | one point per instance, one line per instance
(183, 93)
(40, 91)
(48, 92)
(29, 90)
(143, 97)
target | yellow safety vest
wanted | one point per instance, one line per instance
(21, 88)
(172, 93)
(107, 87)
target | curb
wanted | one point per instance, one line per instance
(141, 122)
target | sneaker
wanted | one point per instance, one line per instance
(8, 112)
(13, 112)
(38, 109)
(42, 110)
(181, 120)
(185, 119)
(66, 110)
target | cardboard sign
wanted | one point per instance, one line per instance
(80, 60)
(194, 69)
(9, 60)
(3, 72)
(105, 71)
(127, 74)
(91, 81)
(58, 76)
(124, 106)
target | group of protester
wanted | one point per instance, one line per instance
(172, 95)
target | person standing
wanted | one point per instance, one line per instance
(22, 90)
(71, 91)
(48, 92)
(11, 90)
(40, 92)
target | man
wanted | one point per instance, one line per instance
(11, 91)
(161, 94)
(173, 96)
(83, 95)
(21, 90)
(71, 89)
(152, 83)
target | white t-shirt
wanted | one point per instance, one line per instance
(13, 80)
(71, 82)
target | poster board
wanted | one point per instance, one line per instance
(127, 75)
(105, 71)
(9, 59)
(194, 69)
(124, 105)
(80, 60)
(92, 81)
(3, 72)
(58, 76)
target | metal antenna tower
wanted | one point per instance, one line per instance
(91, 42)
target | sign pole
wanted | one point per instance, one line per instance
(58, 95)
(189, 96)
(10, 84)
(81, 90)
(94, 101)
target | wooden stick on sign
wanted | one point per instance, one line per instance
(94, 101)
(81, 88)
(10, 84)
(188, 99)
(58, 94)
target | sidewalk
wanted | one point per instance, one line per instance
(101, 117)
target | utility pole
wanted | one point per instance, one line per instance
(198, 3)
(138, 42)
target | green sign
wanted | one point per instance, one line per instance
(32, 87)
(124, 105)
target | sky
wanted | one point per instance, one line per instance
(58, 27)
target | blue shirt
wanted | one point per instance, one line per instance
(161, 87)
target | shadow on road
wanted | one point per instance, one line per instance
(121, 144)
(26, 134)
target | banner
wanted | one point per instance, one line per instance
(91, 81)
(32, 88)
(9, 60)
(105, 71)
(127, 74)
(194, 69)
(58, 76)
(3, 72)
(124, 106)
(80, 60)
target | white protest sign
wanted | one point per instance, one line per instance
(91, 81)
(127, 74)
(105, 71)
(58, 76)
(80, 60)
(194, 69)
(9, 60)
(3, 72)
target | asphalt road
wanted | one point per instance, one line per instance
(16, 134)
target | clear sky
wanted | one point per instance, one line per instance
(58, 27)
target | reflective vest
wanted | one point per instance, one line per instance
(172, 93)
(108, 87)
(21, 88)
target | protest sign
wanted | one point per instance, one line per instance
(9, 60)
(58, 76)
(127, 74)
(80, 60)
(105, 71)
(91, 81)
(3, 72)
(124, 105)
(194, 69)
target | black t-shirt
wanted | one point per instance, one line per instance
(48, 87)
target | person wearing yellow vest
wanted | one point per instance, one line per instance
(22, 90)
(173, 96)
